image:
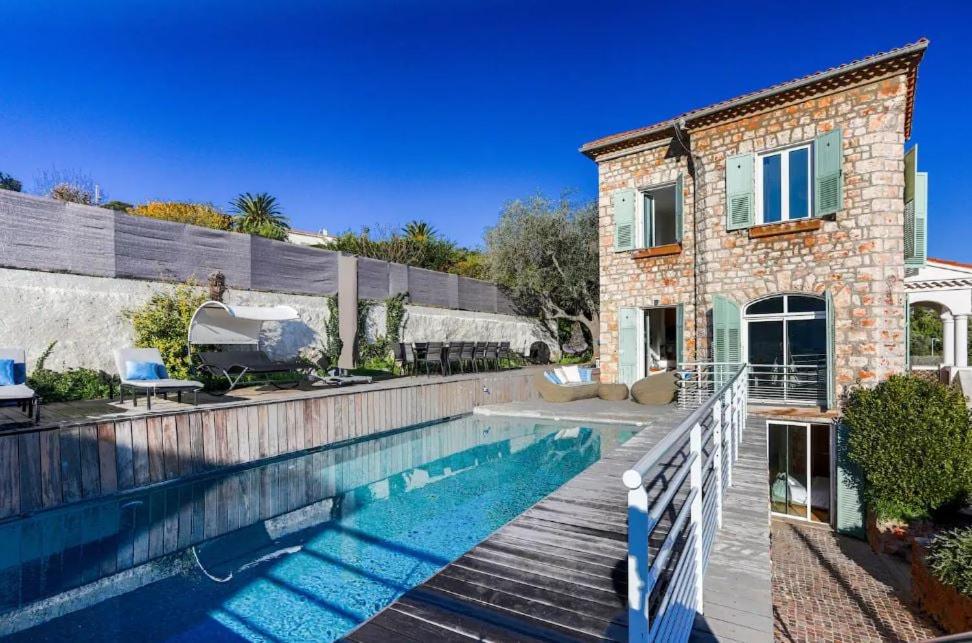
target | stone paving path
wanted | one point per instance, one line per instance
(833, 588)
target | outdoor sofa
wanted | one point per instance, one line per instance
(142, 370)
(566, 384)
(13, 383)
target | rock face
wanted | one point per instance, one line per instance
(85, 315)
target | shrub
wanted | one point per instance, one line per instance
(8, 182)
(71, 193)
(67, 386)
(913, 441)
(114, 204)
(200, 214)
(163, 323)
(395, 318)
(950, 558)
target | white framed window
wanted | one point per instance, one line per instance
(657, 218)
(784, 184)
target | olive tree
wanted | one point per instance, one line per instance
(544, 254)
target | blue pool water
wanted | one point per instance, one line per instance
(306, 548)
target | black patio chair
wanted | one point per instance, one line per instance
(479, 355)
(454, 356)
(398, 356)
(410, 363)
(492, 354)
(506, 353)
(421, 354)
(467, 356)
(434, 358)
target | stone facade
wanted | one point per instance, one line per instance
(858, 254)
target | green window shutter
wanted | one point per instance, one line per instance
(916, 211)
(849, 519)
(678, 208)
(831, 353)
(740, 206)
(627, 345)
(828, 180)
(679, 333)
(726, 331)
(624, 218)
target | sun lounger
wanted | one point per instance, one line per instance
(335, 379)
(150, 386)
(233, 365)
(18, 392)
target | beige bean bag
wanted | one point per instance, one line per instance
(655, 390)
(551, 392)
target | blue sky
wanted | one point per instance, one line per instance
(361, 113)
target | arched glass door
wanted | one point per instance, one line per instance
(786, 347)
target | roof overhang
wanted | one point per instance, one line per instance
(901, 60)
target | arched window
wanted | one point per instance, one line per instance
(786, 347)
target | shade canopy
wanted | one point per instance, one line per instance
(216, 323)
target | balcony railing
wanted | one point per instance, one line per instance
(788, 383)
(675, 497)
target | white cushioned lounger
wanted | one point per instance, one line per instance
(149, 387)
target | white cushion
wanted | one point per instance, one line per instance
(16, 392)
(561, 374)
(573, 373)
(163, 384)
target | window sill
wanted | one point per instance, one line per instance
(785, 227)
(658, 251)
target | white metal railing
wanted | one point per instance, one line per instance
(675, 497)
(788, 383)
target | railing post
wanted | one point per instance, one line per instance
(730, 403)
(717, 462)
(638, 564)
(695, 447)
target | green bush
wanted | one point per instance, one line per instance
(950, 558)
(67, 386)
(913, 441)
(163, 323)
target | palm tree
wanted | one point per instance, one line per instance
(420, 231)
(258, 213)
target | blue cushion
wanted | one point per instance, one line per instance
(551, 377)
(585, 374)
(20, 373)
(6, 372)
(160, 372)
(141, 371)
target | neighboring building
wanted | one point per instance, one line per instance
(945, 286)
(774, 229)
(304, 238)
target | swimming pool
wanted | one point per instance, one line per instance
(304, 548)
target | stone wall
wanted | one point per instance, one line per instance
(857, 255)
(86, 316)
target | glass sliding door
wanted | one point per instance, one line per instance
(799, 470)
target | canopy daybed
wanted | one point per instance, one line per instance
(237, 330)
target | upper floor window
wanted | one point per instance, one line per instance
(783, 184)
(659, 219)
(649, 217)
(787, 184)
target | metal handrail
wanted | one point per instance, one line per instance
(717, 424)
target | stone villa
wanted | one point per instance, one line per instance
(776, 228)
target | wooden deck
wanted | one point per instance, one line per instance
(558, 572)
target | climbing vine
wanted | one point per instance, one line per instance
(395, 317)
(333, 331)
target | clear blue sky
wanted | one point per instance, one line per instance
(355, 113)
